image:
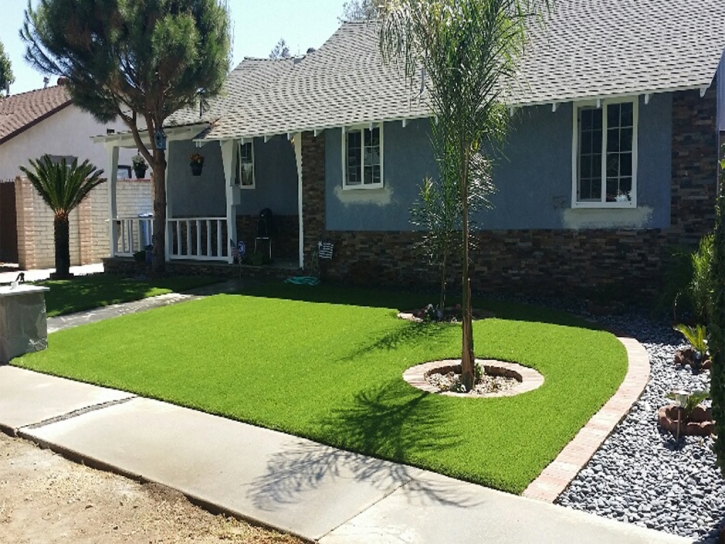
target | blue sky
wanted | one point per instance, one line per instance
(258, 25)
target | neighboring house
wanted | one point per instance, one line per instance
(611, 160)
(45, 122)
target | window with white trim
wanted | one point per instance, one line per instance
(605, 155)
(246, 165)
(362, 158)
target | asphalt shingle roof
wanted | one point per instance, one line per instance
(587, 49)
(21, 111)
(600, 48)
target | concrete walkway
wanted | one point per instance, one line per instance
(317, 492)
(44, 274)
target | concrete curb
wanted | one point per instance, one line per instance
(556, 477)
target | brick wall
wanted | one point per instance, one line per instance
(285, 244)
(89, 231)
(549, 262)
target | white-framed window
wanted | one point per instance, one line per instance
(604, 154)
(246, 165)
(362, 158)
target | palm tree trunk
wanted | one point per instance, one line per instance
(159, 238)
(61, 235)
(467, 357)
(442, 304)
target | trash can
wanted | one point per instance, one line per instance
(146, 230)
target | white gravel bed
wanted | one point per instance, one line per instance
(640, 474)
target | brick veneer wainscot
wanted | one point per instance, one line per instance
(549, 262)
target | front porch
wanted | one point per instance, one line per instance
(210, 212)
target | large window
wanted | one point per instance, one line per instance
(362, 159)
(246, 165)
(605, 155)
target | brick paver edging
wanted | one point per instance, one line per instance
(558, 475)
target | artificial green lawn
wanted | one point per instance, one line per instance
(332, 371)
(93, 291)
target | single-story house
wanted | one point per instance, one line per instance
(611, 158)
(45, 122)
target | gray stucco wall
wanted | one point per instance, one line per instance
(276, 179)
(205, 195)
(534, 177)
(196, 196)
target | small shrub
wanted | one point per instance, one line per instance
(674, 295)
(696, 336)
(688, 401)
(700, 286)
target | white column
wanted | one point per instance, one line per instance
(298, 155)
(169, 207)
(112, 172)
(228, 147)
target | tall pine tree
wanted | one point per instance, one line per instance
(137, 60)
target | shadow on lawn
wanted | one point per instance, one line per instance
(89, 292)
(402, 300)
(387, 421)
(409, 333)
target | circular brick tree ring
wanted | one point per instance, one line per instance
(528, 379)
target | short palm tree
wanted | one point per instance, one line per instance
(62, 186)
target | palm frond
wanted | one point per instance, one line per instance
(61, 185)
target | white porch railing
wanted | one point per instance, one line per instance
(198, 238)
(132, 234)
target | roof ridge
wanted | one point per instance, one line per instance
(267, 59)
(25, 93)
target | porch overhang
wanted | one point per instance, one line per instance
(127, 141)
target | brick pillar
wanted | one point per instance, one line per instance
(313, 192)
(25, 223)
(694, 164)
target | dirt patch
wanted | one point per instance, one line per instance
(46, 498)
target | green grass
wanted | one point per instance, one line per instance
(327, 364)
(93, 291)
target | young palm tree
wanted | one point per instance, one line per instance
(63, 187)
(468, 51)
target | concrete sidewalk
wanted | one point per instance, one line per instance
(317, 492)
(44, 274)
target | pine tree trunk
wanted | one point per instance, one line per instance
(61, 236)
(159, 238)
(467, 358)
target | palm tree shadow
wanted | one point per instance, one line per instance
(409, 333)
(383, 422)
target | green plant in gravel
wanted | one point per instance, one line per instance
(331, 370)
(688, 401)
(700, 285)
(696, 336)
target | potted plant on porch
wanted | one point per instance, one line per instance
(139, 166)
(197, 164)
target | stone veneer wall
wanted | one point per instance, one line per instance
(89, 232)
(284, 246)
(545, 262)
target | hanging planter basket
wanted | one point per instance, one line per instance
(196, 164)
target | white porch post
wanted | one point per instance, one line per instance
(112, 170)
(169, 209)
(298, 156)
(228, 161)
